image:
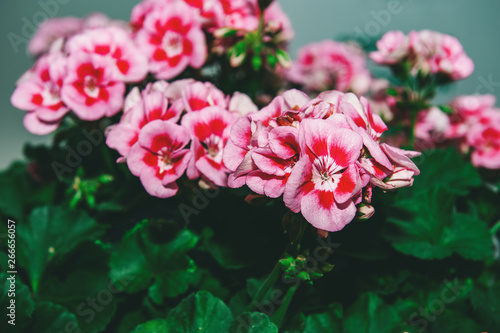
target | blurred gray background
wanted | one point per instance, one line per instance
(475, 23)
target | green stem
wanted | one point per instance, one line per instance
(264, 288)
(413, 126)
(280, 314)
(495, 228)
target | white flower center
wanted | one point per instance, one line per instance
(172, 43)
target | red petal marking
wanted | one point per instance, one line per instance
(45, 76)
(197, 104)
(117, 54)
(340, 156)
(161, 141)
(155, 114)
(102, 49)
(155, 39)
(168, 115)
(85, 70)
(195, 3)
(217, 126)
(308, 59)
(319, 147)
(79, 87)
(326, 199)
(174, 24)
(359, 121)
(201, 131)
(160, 27)
(346, 185)
(123, 66)
(103, 94)
(37, 99)
(187, 47)
(56, 106)
(160, 55)
(89, 101)
(150, 159)
(174, 61)
(491, 134)
(214, 164)
(134, 139)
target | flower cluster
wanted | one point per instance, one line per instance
(425, 51)
(473, 125)
(86, 73)
(323, 155)
(169, 129)
(330, 65)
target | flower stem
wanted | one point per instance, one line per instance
(264, 288)
(280, 314)
(495, 228)
(413, 126)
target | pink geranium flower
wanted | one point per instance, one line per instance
(209, 129)
(172, 39)
(275, 162)
(153, 105)
(391, 48)
(325, 180)
(90, 88)
(51, 30)
(39, 93)
(114, 43)
(331, 65)
(159, 157)
(198, 95)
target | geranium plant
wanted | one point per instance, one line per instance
(199, 180)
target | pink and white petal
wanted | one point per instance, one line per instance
(401, 157)
(139, 159)
(265, 160)
(295, 99)
(374, 149)
(212, 170)
(284, 141)
(348, 185)
(320, 209)
(180, 162)
(233, 155)
(298, 184)
(153, 185)
(23, 96)
(256, 180)
(275, 186)
(34, 125)
(199, 55)
(122, 137)
(49, 115)
(242, 104)
(241, 132)
(159, 134)
(237, 179)
(197, 152)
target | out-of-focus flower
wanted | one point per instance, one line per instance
(116, 44)
(39, 93)
(172, 39)
(330, 65)
(90, 88)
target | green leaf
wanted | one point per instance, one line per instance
(80, 283)
(253, 322)
(10, 195)
(446, 109)
(24, 305)
(51, 318)
(469, 237)
(486, 303)
(329, 321)
(447, 168)
(153, 326)
(200, 312)
(430, 228)
(164, 268)
(369, 314)
(53, 232)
